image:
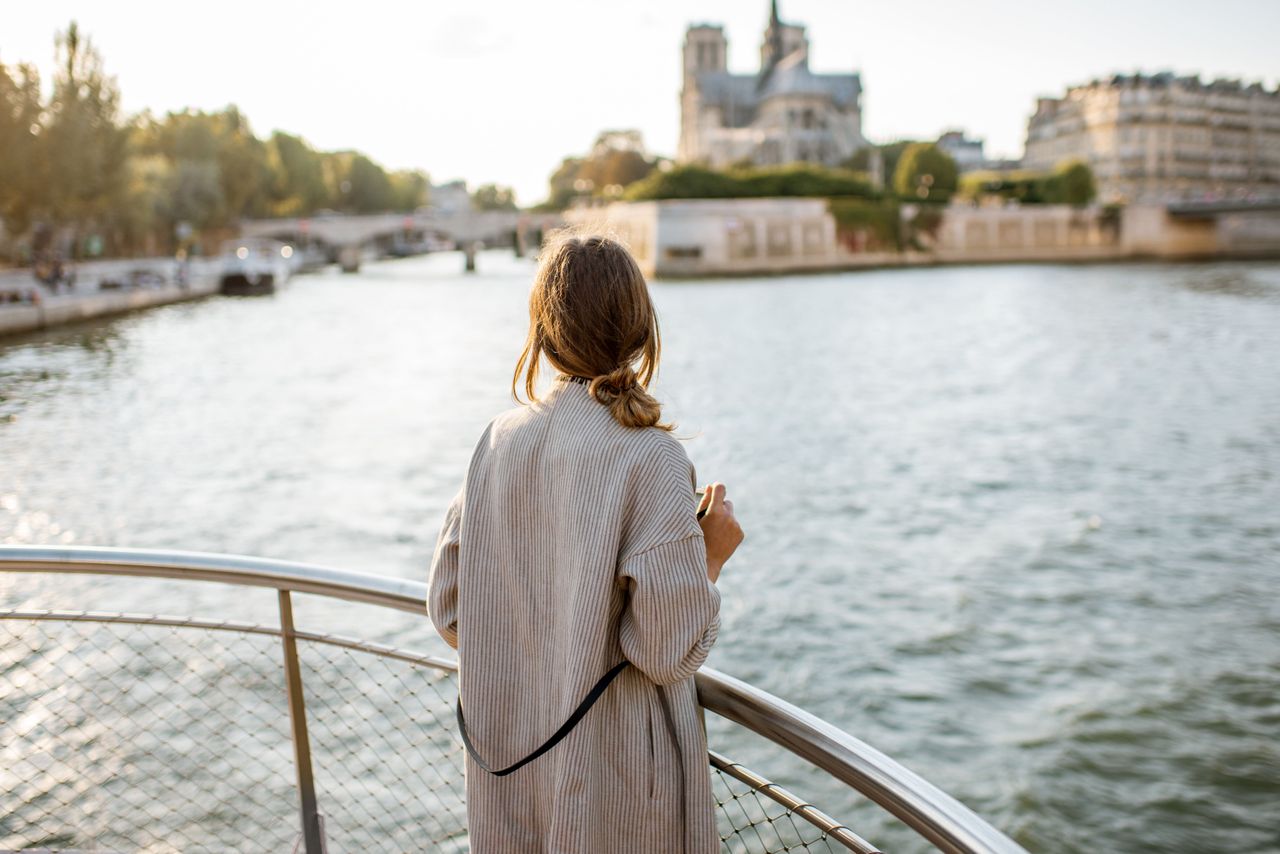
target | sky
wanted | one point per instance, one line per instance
(497, 91)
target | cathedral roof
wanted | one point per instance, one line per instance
(721, 87)
(791, 76)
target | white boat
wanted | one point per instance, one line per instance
(254, 265)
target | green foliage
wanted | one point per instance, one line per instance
(356, 184)
(243, 172)
(925, 172)
(491, 197)
(297, 184)
(409, 189)
(22, 164)
(1021, 185)
(74, 163)
(684, 182)
(1071, 183)
(564, 184)
(867, 225)
(607, 171)
(797, 179)
(82, 140)
(890, 154)
(193, 193)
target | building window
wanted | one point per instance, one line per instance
(684, 253)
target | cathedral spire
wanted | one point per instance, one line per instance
(772, 51)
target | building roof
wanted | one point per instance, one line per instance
(791, 76)
(733, 92)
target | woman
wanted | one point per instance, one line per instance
(575, 546)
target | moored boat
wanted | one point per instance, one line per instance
(254, 266)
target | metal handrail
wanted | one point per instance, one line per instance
(926, 809)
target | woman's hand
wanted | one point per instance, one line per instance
(720, 529)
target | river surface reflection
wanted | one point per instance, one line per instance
(1017, 526)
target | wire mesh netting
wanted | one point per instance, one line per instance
(751, 821)
(139, 736)
(388, 765)
(143, 738)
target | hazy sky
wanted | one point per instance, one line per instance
(501, 91)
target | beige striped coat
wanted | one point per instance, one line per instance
(574, 544)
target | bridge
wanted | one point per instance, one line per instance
(348, 235)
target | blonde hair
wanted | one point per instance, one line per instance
(590, 314)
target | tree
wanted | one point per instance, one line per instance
(925, 173)
(409, 189)
(74, 163)
(565, 185)
(1071, 184)
(188, 143)
(616, 161)
(356, 183)
(21, 165)
(243, 170)
(142, 210)
(890, 154)
(84, 141)
(491, 197)
(297, 185)
(613, 168)
(193, 194)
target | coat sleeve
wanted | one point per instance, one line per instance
(672, 614)
(673, 611)
(442, 587)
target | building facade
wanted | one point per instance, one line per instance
(1160, 138)
(966, 152)
(784, 113)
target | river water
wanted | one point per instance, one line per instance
(1017, 526)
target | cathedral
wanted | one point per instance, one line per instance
(784, 113)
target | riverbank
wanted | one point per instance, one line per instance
(100, 289)
(695, 238)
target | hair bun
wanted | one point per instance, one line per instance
(613, 384)
(626, 397)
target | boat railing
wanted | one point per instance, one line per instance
(147, 731)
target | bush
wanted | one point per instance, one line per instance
(878, 220)
(925, 173)
(1071, 183)
(793, 180)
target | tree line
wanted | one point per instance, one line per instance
(78, 176)
(918, 172)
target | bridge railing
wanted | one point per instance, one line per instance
(128, 731)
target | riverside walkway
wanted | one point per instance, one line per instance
(100, 288)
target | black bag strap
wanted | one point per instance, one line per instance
(583, 707)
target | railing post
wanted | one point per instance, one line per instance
(312, 835)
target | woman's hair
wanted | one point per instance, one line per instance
(591, 316)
